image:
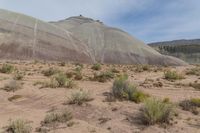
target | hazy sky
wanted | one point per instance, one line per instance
(148, 20)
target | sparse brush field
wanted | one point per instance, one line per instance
(66, 97)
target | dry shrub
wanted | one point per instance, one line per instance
(155, 112)
(191, 105)
(18, 126)
(96, 67)
(7, 68)
(13, 85)
(78, 73)
(18, 76)
(58, 81)
(79, 97)
(103, 76)
(173, 75)
(51, 71)
(122, 89)
(114, 70)
(194, 71)
(56, 118)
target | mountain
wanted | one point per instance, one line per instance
(187, 50)
(112, 45)
(24, 37)
(77, 39)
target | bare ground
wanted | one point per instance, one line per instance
(97, 116)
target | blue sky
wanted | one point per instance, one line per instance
(148, 20)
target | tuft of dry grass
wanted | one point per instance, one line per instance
(57, 81)
(142, 68)
(18, 126)
(173, 75)
(103, 76)
(79, 97)
(54, 118)
(194, 71)
(156, 111)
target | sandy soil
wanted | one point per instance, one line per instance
(119, 116)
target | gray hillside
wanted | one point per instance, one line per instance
(112, 45)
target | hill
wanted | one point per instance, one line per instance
(112, 45)
(23, 37)
(76, 39)
(187, 50)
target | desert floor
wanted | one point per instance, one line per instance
(98, 115)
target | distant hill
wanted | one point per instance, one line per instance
(187, 50)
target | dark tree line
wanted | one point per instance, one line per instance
(180, 49)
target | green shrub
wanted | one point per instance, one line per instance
(51, 71)
(6, 68)
(138, 96)
(18, 126)
(195, 102)
(78, 73)
(79, 97)
(96, 67)
(54, 118)
(61, 79)
(173, 75)
(103, 76)
(155, 111)
(78, 76)
(122, 89)
(121, 86)
(13, 85)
